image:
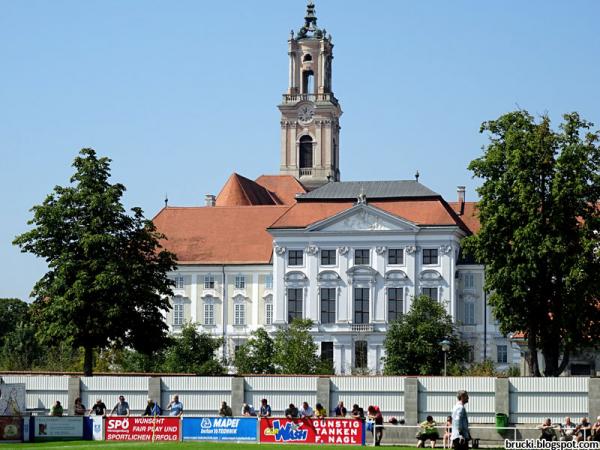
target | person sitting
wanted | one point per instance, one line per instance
(320, 411)
(57, 410)
(306, 411)
(357, 412)
(225, 410)
(248, 410)
(583, 430)
(79, 408)
(152, 409)
(595, 436)
(265, 409)
(548, 433)
(428, 432)
(567, 431)
(340, 410)
(291, 412)
(446, 441)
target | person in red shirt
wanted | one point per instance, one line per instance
(377, 418)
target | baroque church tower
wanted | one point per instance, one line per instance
(310, 112)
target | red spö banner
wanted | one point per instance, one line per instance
(312, 431)
(142, 429)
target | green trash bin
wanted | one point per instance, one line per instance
(501, 421)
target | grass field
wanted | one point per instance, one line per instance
(82, 445)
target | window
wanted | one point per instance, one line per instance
(269, 282)
(361, 256)
(306, 152)
(239, 314)
(179, 281)
(328, 257)
(430, 256)
(395, 256)
(294, 304)
(395, 303)
(307, 57)
(432, 293)
(469, 313)
(360, 354)
(240, 282)
(328, 305)
(295, 257)
(502, 354)
(308, 78)
(178, 314)
(209, 281)
(268, 313)
(361, 305)
(209, 314)
(327, 352)
(469, 281)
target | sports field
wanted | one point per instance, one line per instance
(81, 445)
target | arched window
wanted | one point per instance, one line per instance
(306, 152)
(308, 79)
(307, 57)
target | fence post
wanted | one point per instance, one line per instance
(594, 397)
(155, 389)
(238, 394)
(74, 391)
(411, 400)
(502, 396)
(323, 392)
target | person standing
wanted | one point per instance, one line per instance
(340, 410)
(460, 423)
(99, 408)
(79, 408)
(152, 409)
(121, 408)
(57, 410)
(306, 411)
(225, 410)
(175, 407)
(374, 414)
(265, 409)
(291, 412)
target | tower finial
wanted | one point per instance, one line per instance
(417, 176)
(310, 23)
(166, 200)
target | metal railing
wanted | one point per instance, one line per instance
(293, 98)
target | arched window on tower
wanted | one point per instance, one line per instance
(306, 152)
(308, 80)
(307, 57)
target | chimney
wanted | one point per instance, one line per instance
(460, 190)
(210, 200)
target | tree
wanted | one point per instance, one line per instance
(539, 232)
(256, 355)
(412, 343)
(107, 280)
(12, 312)
(295, 349)
(193, 352)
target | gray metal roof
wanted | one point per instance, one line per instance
(371, 189)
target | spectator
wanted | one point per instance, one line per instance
(340, 410)
(291, 412)
(320, 411)
(175, 407)
(121, 408)
(447, 432)
(306, 411)
(460, 423)
(567, 431)
(357, 412)
(99, 408)
(547, 431)
(428, 432)
(79, 408)
(265, 409)
(596, 430)
(56, 410)
(583, 430)
(248, 410)
(152, 409)
(377, 418)
(225, 410)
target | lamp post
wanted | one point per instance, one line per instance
(445, 348)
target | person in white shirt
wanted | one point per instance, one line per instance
(460, 423)
(306, 411)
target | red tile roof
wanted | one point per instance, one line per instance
(240, 191)
(219, 235)
(285, 187)
(469, 215)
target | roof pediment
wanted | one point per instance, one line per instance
(363, 217)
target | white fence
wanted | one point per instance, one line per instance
(530, 399)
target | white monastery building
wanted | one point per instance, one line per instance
(350, 256)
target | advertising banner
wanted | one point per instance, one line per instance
(312, 431)
(219, 429)
(57, 428)
(142, 428)
(12, 399)
(97, 427)
(11, 429)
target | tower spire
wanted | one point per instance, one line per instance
(310, 28)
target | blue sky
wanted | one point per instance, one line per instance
(182, 93)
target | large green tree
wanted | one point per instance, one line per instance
(412, 343)
(193, 352)
(256, 355)
(295, 349)
(107, 275)
(12, 313)
(539, 232)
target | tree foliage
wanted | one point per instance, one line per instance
(193, 352)
(412, 343)
(12, 313)
(295, 349)
(256, 356)
(539, 232)
(107, 280)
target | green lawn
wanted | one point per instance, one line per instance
(169, 445)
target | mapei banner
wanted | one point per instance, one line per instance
(219, 429)
(142, 428)
(312, 431)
